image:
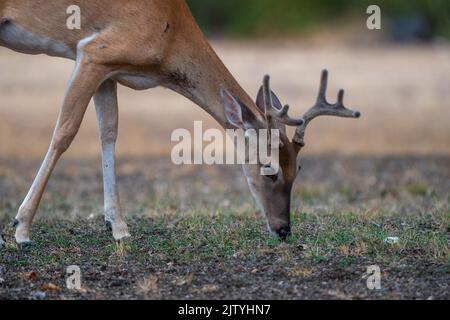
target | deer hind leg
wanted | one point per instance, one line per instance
(107, 117)
(84, 83)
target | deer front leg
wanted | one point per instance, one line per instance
(84, 83)
(107, 118)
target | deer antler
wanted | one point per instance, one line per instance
(273, 113)
(323, 108)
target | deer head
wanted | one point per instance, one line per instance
(273, 193)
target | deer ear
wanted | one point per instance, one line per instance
(237, 113)
(260, 101)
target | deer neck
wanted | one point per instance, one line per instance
(199, 74)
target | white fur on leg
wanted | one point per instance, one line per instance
(107, 116)
(113, 212)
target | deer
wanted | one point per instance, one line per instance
(143, 44)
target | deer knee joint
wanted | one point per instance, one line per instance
(63, 140)
(109, 137)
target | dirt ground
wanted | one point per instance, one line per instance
(196, 232)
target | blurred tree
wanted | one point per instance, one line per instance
(291, 17)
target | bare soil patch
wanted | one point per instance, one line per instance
(197, 235)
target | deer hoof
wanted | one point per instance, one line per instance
(284, 233)
(120, 231)
(22, 236)
(25, 246)
(15, 223)
(124, 241)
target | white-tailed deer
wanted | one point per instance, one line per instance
(143, 44)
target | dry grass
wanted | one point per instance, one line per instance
(149, 288)
(196, 234)
(402, 92)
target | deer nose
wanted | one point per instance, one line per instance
(284, 232)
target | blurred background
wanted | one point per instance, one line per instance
(386, 174)
(407, 20)
(398, 77)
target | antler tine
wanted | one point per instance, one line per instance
(323, 108)
(341, 95)
(284, 112)
(323, 87)
(268, 104)
(282, 115)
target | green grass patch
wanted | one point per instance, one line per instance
(202, 237)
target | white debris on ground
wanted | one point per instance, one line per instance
(392, 240)
(39, 295)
